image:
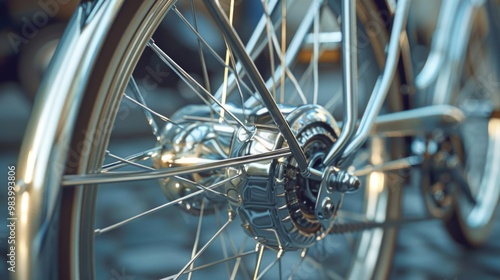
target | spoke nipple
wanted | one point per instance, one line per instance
(280, 253)
(231, 215)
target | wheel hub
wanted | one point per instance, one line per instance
(277, 205)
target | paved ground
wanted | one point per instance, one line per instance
(424, 250)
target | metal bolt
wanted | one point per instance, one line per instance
(328, 208)
(347, 182)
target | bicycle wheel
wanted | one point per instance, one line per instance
(203, 133)
(478, 148)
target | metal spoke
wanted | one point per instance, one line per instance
(200, 186)
(258, 262)
(129, 162)
(222, 239)
(238, 260)
(200, 50)
(253, 74)
(296, 267)
(240, 91)
(197, 238)
(291, 53)
(190, 81)
(226, 62)
(280, 269)
(293, 49)
(254, 48)
(269, 27)
(140, 98)
(101, 178)
(231, 218)
(150, 110)
(239, 256)
(141, 156)
(200, 38)
(283, 49)
(315, 57)
(168, 204)
(278, 258)
(287, 72)
(205, 119)
(284, 60)
(234, 70)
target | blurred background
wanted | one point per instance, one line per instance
(29, 33)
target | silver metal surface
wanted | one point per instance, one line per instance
(141, 156)
(163, 206)
(383, 83)
(418, 121)
(254, 46)
(193, 144)
(239, 51)
(349, 79)
(276, 186)
(328, 202)
(102, 178)
(44, 150)
(295, 45)
(147, 112)
(198, 254)
(192, 83)
(439, 47)
(448, 78)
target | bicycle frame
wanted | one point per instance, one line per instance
(37, 192)
(351, 139)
